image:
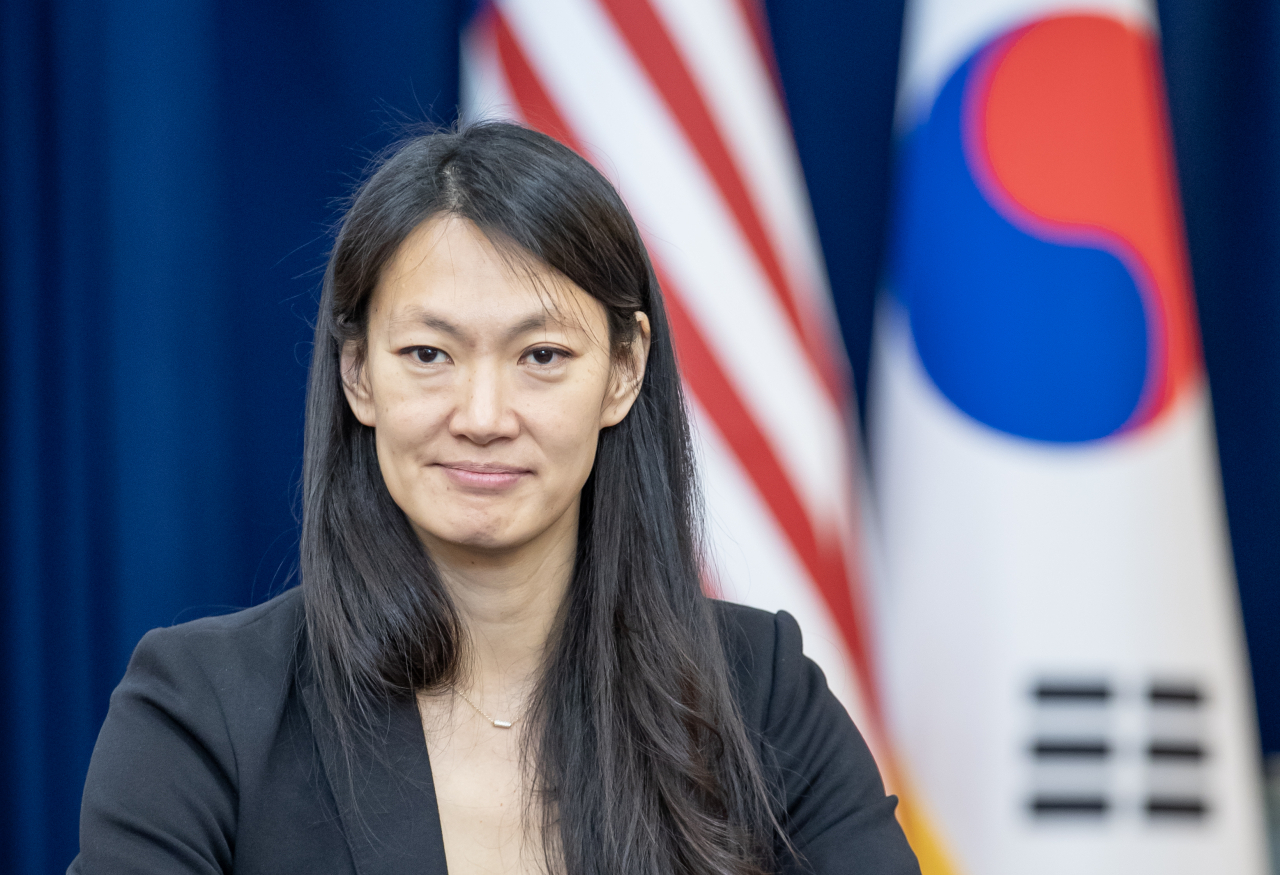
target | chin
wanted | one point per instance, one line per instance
(488, 538)
(484, 543)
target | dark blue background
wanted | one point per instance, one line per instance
(168, 175)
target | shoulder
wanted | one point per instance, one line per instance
(764, 650)
(247, 643)
(263, 629)
(832, 799)
(186, 739)
(224, 670)
(216, 687)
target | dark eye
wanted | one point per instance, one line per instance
(545, 355)
(427, 355)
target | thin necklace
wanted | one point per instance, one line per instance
(497, 724)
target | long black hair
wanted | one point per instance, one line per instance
(638, 751)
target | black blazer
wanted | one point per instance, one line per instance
(217, 755)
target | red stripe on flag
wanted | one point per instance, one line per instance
(822, 558)
(653, 47)
(535, 104)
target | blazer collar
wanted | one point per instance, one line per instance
(386, 799)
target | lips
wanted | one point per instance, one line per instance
(483, 476)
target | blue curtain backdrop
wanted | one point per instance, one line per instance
(169, 171)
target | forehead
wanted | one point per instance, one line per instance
(448, 268)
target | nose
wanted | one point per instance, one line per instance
(483, 413)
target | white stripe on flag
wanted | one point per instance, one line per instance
(723, 56)
(610, 103)
(753, 563)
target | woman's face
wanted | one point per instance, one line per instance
(487, 383)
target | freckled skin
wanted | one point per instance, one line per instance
(487, 381)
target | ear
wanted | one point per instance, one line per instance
(355, 384)
(628, 376)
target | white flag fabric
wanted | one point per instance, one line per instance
(675, 102)
(1068, 683)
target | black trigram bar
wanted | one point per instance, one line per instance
(1175, 694)
(1176, 806)
(1065, 691)
(1180, 751)
(1090, 748)
(1048, 806)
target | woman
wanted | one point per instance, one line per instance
(500, 658)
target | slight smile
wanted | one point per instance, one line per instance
(483, 476)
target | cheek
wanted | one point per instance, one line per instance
(569, 432)
(407, 423)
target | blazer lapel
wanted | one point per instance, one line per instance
(386, 799)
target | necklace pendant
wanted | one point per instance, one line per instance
(501, 724)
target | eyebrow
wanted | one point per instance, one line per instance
(524, 326)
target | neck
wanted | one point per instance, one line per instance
(509, 602)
